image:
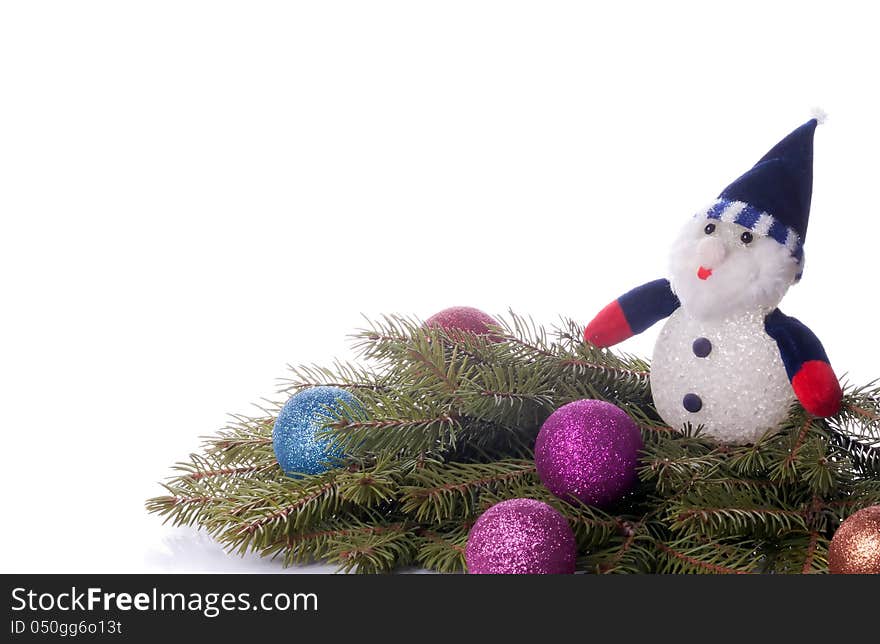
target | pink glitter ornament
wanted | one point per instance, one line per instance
(521, 537)
(588, 450)
(464, 318)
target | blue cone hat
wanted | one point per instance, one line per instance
(773, 198)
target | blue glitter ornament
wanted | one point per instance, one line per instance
(298, 448)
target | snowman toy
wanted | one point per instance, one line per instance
(728, 359)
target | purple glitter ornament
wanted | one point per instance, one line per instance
(521, 537)
(588, 450)
(464, 318)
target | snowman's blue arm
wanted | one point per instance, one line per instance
(632, 313)
(806, 363)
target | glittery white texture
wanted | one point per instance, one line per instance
(294, 435)
(743, 276)
(742, 382)
(521, 537)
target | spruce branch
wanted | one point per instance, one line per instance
(629, 551)
(316, 544)
(741, 513)
(445, 426)
(701, 556)
(373, 552)
(442, 549)
(204, 467)
(801, 553)
(244, 441)
(810, 557)
(525, 336)
(864, 455)
(440, 491)
(396, 425)
(344, 375)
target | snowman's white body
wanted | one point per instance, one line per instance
(741, 384)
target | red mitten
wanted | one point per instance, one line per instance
(816, 386)
(609, 327)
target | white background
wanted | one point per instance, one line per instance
(194, 194)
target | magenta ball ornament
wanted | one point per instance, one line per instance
(588, 451)
(521, 537)
(463, 318)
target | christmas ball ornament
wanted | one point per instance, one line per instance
(463, 318)
(298, 447)
(521, 537)
(728, 359)
(855, 547)
(588, 450)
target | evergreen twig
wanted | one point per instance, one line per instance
(445, 426)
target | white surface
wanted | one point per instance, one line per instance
(195, 193)
(742, 385)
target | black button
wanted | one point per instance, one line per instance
(702, 347)
(692, 403)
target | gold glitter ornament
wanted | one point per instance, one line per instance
(855, 547)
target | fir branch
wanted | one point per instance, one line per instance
(369, 487)
(673, 465)
(260, 512)
(245, 441)
(705, 558)
(282, 512)
(383, 339)
(790, 460)
(373, 552)
(753, 460)
(810, 552)
(408, 432)
(521, 396)
(732, 520)
(343, 375)
(233, 471)
(340, 533)
(525, 336)
(859, 416)
(446, 429)
(863, 402)
(442, 549)
(182, 510)
(801, 553)
(864, 455)
(861, 494)
(746, 512)
(205, 467)
(614, 562)
(439, 492)
(630, 551)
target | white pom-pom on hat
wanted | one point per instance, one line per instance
(819, 114)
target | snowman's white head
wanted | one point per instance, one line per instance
(720, 268)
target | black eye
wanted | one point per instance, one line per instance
(746, 238)
(710, 228)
